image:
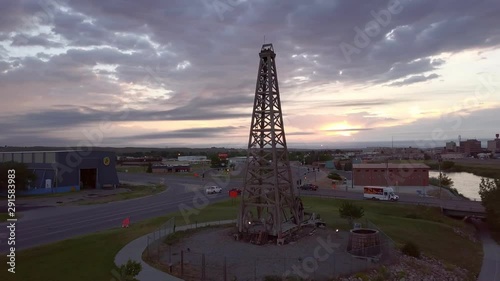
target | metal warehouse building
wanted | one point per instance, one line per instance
(406, 174)
(64, 171)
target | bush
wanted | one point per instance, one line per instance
(334, 176)
(350, 211)
(348, 166)
(446, 165)
(128, 271)
(411, 249)
(362, 276)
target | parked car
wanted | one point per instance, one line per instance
(213, 189)
(309, 186)
(235, 189)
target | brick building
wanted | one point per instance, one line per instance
(391, 174)
(470, 147)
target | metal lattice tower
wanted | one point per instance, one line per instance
(268, 204)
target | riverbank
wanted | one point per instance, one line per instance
(488, 169)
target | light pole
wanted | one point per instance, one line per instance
(352, 177)
(440, 188)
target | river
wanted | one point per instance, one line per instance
(465, 183)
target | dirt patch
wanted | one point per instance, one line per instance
(320, 255)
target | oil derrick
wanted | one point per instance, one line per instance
(268, 203)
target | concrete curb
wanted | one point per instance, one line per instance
(134, 250)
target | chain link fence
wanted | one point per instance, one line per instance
(310, 263)
(156, 239)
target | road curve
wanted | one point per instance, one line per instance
(47, 225)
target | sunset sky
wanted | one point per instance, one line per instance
(183, 73)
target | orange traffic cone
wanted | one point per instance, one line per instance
(126, 222)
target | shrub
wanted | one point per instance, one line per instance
(128, 271)
(411, 249)
(446, 165)
(334, 176)
(350, 211)
(362, 276)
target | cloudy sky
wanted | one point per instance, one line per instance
(177, 72)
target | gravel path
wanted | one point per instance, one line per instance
(319, 256)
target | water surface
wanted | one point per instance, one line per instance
(465, 183)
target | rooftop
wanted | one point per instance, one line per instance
(391, 166)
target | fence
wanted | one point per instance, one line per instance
(157, 249)
(156, 239)
(206, 266)
(223, 260)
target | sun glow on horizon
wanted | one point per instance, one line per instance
(340, 129)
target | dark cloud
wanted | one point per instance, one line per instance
(201, 62)
(67, 117)
(192, 133)
(363, 102)
(38, 40)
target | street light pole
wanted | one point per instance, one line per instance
(440, 188)
(352, 179)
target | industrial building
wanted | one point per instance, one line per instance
(406, 174)
(194, 159)
(175, 167)
(452, 156)
(64, 171)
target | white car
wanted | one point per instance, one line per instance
(213, 189)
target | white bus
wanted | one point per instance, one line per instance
(380, 193)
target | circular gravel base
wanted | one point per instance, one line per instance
(318, 255)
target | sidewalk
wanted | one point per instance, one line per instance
(490, 270)
(134, 251)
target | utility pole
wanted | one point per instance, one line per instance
(440, 188)
(387, 172)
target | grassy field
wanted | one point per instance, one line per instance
(132, 169)
(91, 257)
(45, 195)
(480, 168)
(136, 191)
(3, 217)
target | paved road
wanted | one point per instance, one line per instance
(46, 225)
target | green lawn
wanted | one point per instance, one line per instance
(486, 169)
(136, 191)
(60, 194)
(4, 217)
(91, 257)
(131, 169)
